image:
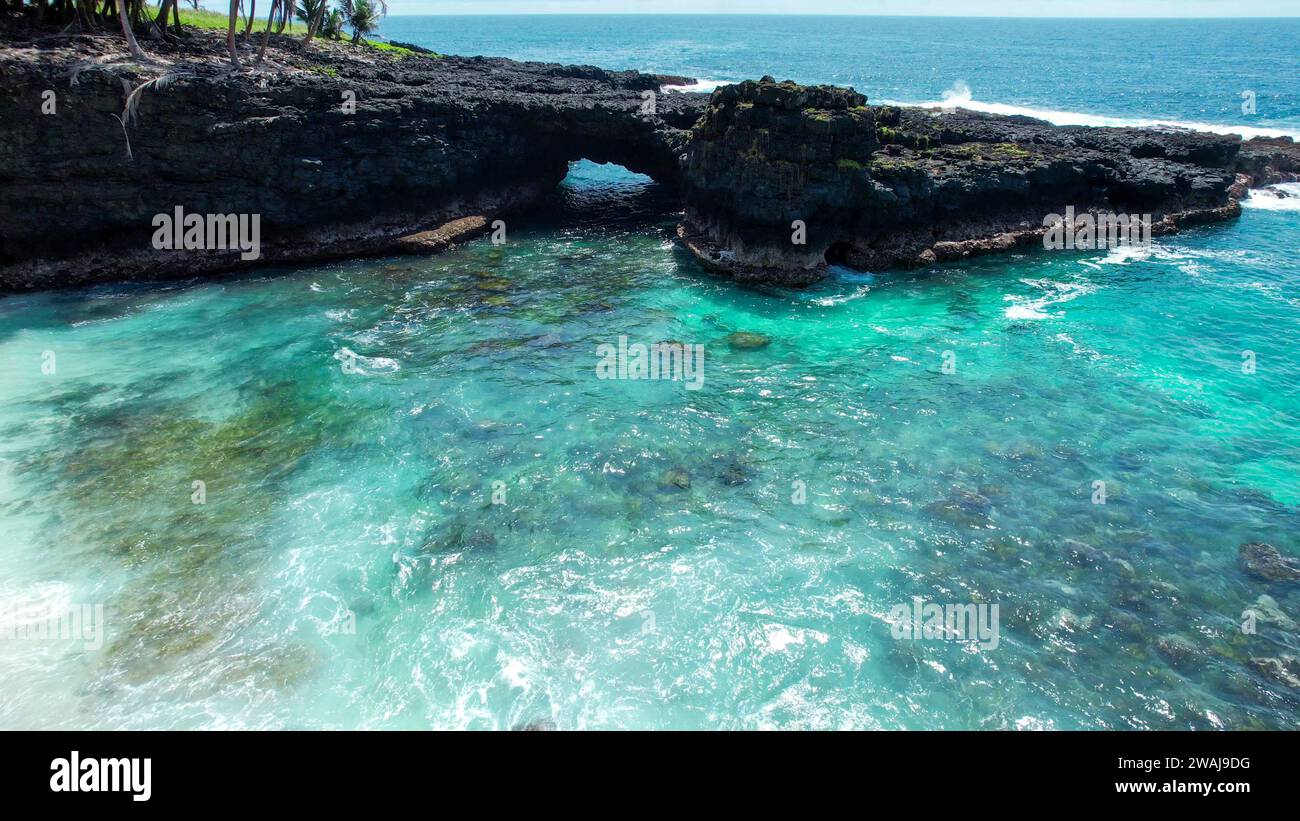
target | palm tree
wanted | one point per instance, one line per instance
(266, 35)
(314, 19)
(307, 9)
(332, 25)
(230, 34)
(363, 16)
(131, 44)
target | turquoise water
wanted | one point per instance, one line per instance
(352, 568)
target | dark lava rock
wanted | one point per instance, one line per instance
(882, 186)
(437, 140)
(432, 140)
(1263, 561)
(765, 155)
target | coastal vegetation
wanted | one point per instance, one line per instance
(138, 19)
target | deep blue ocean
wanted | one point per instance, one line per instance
(421, 506)
(1088, 72)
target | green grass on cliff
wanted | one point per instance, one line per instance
(207, 19)
(397, 51)
(220, 21)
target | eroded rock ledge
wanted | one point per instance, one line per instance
(875, 187)
(438, 147)
(432, 141)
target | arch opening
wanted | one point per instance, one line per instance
(839, 253)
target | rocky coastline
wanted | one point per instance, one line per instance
(877, 187)
(345, 154)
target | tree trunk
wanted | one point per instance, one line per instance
(315, 21)
(252, 10)
(230, 35)
(161, 20)
(266, 35)
(131, 44)
(157, 29)
(85, 16)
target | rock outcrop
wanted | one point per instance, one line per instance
(782, 179)
(429, 141)
(1264, 561)
(345, 151)
(774, 174)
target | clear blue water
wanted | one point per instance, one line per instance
(1089, 72)
(350, 567)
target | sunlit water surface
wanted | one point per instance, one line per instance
(350, 567)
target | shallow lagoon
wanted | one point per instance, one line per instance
(349, 567)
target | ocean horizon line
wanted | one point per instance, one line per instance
(882, 16)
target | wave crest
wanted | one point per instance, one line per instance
(960, 96)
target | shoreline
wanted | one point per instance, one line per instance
(435, 141)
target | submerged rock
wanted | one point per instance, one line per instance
(1070, 621)
(1178, 650)
(1263, 561)
(747, 341)
(1266, 609)
(539, 725)
(965, 508)
(458, 535)
(675, 478)
(734, 474)
(1283, 670)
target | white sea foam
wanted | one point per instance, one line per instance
(841, 299)
(699, 85)
(960, 96)
(1283, 197)
(1053, 293)
(1125, 253)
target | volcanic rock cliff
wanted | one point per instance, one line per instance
(782, 178)
(345, 151)
(341, 151)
